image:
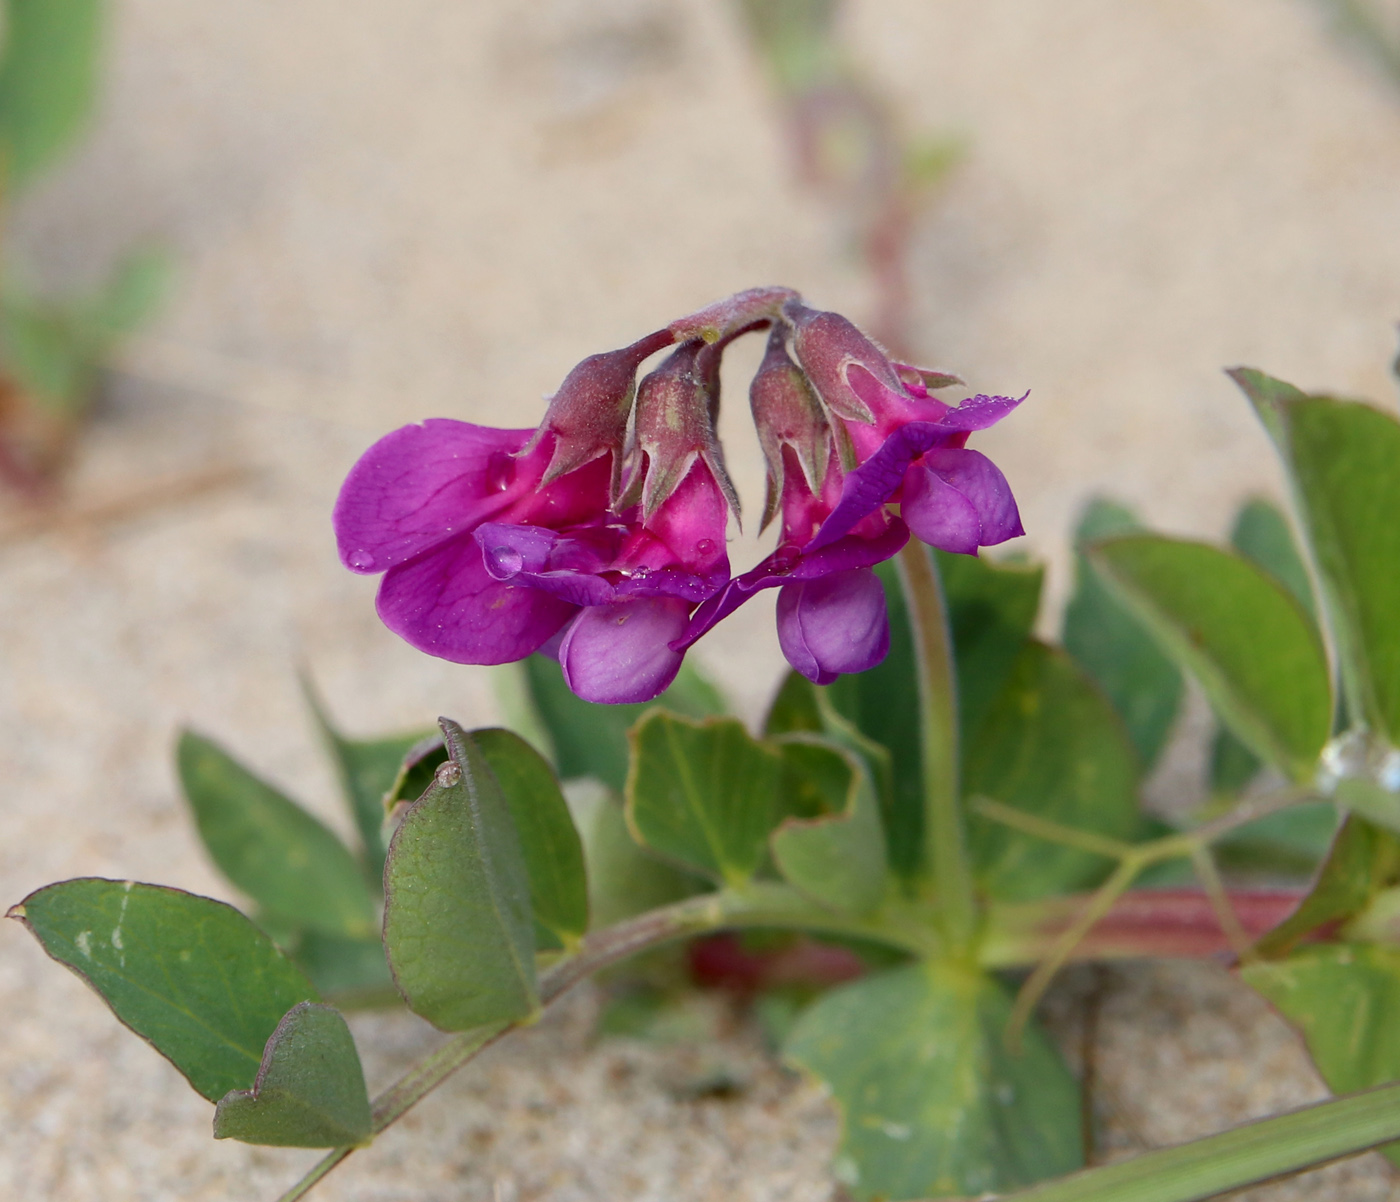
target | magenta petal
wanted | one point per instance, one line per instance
(620, 652)
(420, 485)
(833, 625)
(507, 550)
(981, 482)
(979, 412)
(938, 514)
(529, 556)
(447, 604)
(780, 570)
(873, 483)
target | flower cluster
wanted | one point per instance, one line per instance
(599, 537)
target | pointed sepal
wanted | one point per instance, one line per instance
(787, 413)
(828, 347)
(587, 417)
(675, 427)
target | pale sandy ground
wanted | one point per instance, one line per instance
(388, 211)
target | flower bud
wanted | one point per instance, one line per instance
(786, 412)
(827, 347)
(588, 415)
(726, 318)
(675, 427)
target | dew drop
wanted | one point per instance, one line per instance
(641, 573)
(705, 546)
(785, 558)
(361, 561)
(505, 561)
(500, 471)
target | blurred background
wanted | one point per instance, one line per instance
(370, 213)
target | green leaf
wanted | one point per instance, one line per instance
(457, 924)
(624, 879)
(135, 291)
(271, 848)
(837, 856)
(1363, 860)
(591, 740)
(1109, 642)
(1344, 999)
(1244, 1155)
(794, 707)
(1343, 458)
(48, 80)
(1056, 749)
(702, 794)
(1289, 842)
(548, 838)
(350, 972)
(1262, 536)
(991, 608)
(1370, 800)
(310, 1090)
(932, 1102)
(50, 353)
(1253, 649)
(883, 705)
(417, 771)
(190, 975)
(1232, 764)
(368, 769)
(550, 843)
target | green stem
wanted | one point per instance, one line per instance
(1050, 830)
(1039, 980)
(945, 842)
(318, 1171)
(1209, 876)
(1132, 859)
(759, 904)
(1244, 1155)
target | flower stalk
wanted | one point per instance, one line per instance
(756, 905)
(945, 837)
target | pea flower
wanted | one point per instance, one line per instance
(599, 537)
(490, 552)
(878, 436)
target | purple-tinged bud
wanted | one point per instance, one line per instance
(786, 412)
(588, 415)
(827, 346)
(725, 318)
(675, 427)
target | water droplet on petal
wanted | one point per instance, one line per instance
(705, 546)
(641, 573)
(505, 561)
(500, 472)
(361, 561)
(785, 558)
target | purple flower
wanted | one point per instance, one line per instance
(901, 446)
(599, 537)
(484, 563)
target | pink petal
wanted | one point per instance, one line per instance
(446, 604)
(981, 482)
(422, 484)
(620, 652)
(834, 625)
(687, 533)
(938, 514)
